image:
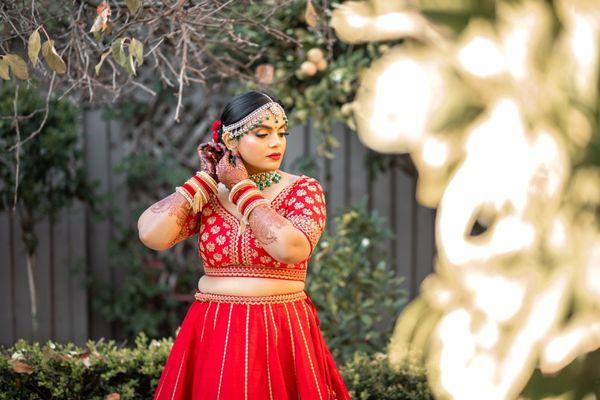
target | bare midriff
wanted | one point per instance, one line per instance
(248, 286)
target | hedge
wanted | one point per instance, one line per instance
(105, 371)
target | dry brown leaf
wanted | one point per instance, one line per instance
(101, 21)
(265, 73)
(17, 65)
(21, 368)
(52, 57)
(34, 46)
(310, 15)
(4, 70)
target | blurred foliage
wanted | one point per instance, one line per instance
(356, 293)
(319, 96)
(156, 287)
(47, 172)
(51, 170)
(583, 370)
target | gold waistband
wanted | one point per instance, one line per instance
(269, 299)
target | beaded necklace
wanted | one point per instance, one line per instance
(264, 179)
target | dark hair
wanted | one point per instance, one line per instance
(242, 105)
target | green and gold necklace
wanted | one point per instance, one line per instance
(264, 179)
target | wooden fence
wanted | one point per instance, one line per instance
(64, 304)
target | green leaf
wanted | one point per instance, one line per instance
(102, 58)
(34, 46)
(133, 5)
(118, 52)
(137, 49)
(130, 65)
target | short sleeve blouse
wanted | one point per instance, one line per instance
(224, 252)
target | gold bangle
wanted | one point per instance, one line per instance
(185, 194)
(205, 196)
(208, 180)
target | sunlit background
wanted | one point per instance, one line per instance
(502, 124)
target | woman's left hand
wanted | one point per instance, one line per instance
(229, 173)
(209, 154)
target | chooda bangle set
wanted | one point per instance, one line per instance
(197, 190)
(246, 196)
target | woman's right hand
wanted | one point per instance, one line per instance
(210, 153)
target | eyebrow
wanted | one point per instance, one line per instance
(270, 127)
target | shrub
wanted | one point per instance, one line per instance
(371, 377)
(68, 372)
(356, 294)
(55, 371)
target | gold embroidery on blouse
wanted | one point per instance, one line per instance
(240, 250)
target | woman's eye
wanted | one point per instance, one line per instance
(266, 134)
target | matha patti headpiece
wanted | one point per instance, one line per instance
(252, 120)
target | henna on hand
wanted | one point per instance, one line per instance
(176, 204)
(230, 174)
(265, 222)
(209, 154)
(173, 203)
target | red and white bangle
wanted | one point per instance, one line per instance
(246, 196)
(197, 190)
(240, 188)
(244, 222)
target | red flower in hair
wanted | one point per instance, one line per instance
(215, 130)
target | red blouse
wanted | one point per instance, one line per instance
(225, 253)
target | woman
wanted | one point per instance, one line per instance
(253, 332)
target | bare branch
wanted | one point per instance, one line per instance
(38, 130)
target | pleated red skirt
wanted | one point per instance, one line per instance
(251, 347)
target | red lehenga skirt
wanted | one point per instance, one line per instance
(251, 347)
